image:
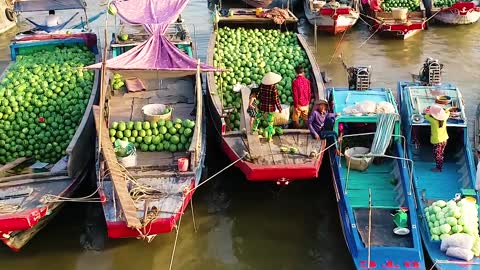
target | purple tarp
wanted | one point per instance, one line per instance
(156, 53)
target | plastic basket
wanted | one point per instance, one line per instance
(280, 119)
(153, 112)
(357, 163)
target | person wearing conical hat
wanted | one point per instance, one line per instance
(320, 122)
(268, 101)
(437, 117)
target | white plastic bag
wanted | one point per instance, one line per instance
(367, 106)
(460, 253)
(460, 240)
(385, 107)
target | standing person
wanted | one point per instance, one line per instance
(437, 117)
(268, 101)
(52, 19)
(252, 106)
(320, 122)
(302, 93)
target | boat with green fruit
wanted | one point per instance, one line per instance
(443, 198)
(249, 53)
(372, 183)
(453, 11)
(151, 130)
(396, 18)
(46, 126)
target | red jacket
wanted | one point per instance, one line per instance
(302, 93)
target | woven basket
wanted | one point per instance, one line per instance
(357, 163)
(280, 119)
(152, 112)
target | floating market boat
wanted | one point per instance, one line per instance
(8, 18)
(371, 180)
(395, 19)
(147, 192)
(293, 154)
(46, 127)
(332, 17)
(457, 178)
(449, 12)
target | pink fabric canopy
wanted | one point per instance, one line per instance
(157, 53)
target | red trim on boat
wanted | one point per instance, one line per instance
(462, 8)
(21, 221)
(336, 11)
(291, 172)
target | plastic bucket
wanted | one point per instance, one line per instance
(153, 112)
(128, 161)
(182, 164)
(357, 163)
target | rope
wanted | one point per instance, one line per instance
(338, 45)
(193, 216)
(363, 43)
(365, 22)
(433, 15)
(175, 243)
(6, 208)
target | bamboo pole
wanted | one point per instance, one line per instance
(102, 95)
(199, 116)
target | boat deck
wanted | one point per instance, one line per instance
(179, 93)
(380, 179)
(270, 152)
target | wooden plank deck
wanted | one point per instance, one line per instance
(254, 146)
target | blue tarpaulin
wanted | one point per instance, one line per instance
(45, 5)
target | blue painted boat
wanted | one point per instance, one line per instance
(458, 175)
(388, 181)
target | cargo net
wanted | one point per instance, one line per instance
(359, 78)
(431, 73)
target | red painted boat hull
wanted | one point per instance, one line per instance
(119, 229)
(292, 172)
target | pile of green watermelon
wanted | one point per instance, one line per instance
(173, 136)
(412, 5)
(43, 97)
(250, 54)
(117, 81)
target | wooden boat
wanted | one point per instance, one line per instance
(8, 18)
(458, 13)
(332, 17)
(265, 161)
(269, 3)
(157, 192)
(258, 3)
(386, 24)
(22, 192)
(377, 192)
(245, 17)
(458, 174)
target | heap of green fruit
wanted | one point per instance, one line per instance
(173, 136)
(117, 81)
(43, 97)
(250, 54)
(412, 5)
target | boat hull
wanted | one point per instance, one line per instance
(330, 20)
(458, 16)
(18, 228)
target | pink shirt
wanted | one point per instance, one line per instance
(302, 93)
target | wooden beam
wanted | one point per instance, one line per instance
(254, 146)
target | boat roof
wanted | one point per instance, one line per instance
(343, 97)
(46, 5)
(418, 97)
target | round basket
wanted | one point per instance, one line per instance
(356, 163)
(399, 13)
(443, 100)
(153, 112)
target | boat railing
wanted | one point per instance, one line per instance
(369, 155)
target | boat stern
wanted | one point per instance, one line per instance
(389, 258)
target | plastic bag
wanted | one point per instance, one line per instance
(385, 107)
(460, 240)
(367, 106)
(460, 253)
(123, 148)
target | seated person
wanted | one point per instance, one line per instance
(52, 19)
(320, 121)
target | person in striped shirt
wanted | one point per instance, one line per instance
(268, 102)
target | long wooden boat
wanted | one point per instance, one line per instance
(376, 193)
(157, 192)
(458, 13)
(257, 159)
(23, 189)
(332, 17)
(385, 23)
(458, 174)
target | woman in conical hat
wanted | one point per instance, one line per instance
(437, 116)
(268, 102)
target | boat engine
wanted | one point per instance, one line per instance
(431, 73)
(359, 78)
